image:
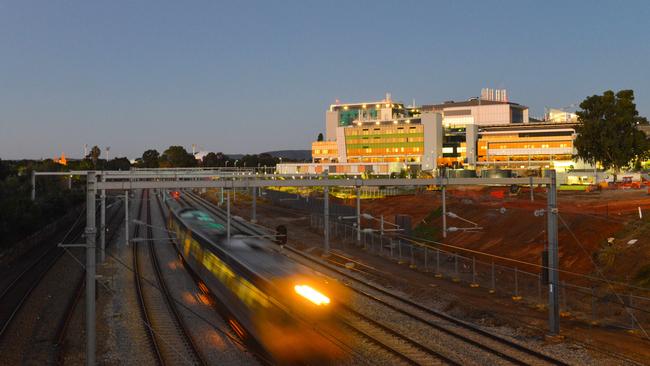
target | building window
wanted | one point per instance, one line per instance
(517, 115)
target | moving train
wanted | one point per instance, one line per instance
(284, 307)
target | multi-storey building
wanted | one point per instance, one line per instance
(486, 132)
(527, 146)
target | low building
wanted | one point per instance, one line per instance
(529, 146)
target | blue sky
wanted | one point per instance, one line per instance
(247, 77)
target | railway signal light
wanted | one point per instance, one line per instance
(281, 234)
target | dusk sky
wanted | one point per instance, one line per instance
(248, 77)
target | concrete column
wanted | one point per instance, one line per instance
(358, 189)
(254, 206)
(90, 231)
(326, 217)
(553, 261)
(102, 225)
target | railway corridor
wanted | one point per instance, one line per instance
(123, 336)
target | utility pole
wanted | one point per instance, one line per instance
(126, 216)
(358, 214)
(444, 212)
(553, 286)
(90, 231)
(228, 215)
(254, 214)
(326, 219)
(33, 185)
(102, 224)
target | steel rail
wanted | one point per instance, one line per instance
(23, 285)
(113, 223)
(164, 290)
(144, 312)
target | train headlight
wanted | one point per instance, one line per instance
(312, 295)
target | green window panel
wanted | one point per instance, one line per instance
(346, 117)
(384, 145)
(388, 135)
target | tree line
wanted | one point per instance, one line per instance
(177, 157)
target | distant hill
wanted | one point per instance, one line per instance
(291, 154)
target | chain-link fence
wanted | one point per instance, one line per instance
(585, 298)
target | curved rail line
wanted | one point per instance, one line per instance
(251, 344)
(492, 338)
(16, 293)
(403, 348)
(144, 312)
(113, 223)
(190, 344)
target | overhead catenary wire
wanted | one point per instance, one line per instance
(180, 303)
(422, 241)
(604, 278)
(216, 327)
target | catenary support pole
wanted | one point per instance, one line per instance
(221, 201)
(444, 212)
(254, 206)
(33, 185)
(326, 216)
(532, 190)
(228, 215)
(69, 182)
(126, 217)
(90, 268)
(102, 224)
(553, 287)
(358, 194)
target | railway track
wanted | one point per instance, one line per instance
(409, 351)
(398, 347)
(114, 222)
(477, 339)
(402, 349)
(16, 293)
(54, 313)
(170, 340)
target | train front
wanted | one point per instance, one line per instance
(302, 324)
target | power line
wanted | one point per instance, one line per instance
(604, 278)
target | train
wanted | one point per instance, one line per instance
(280, 305)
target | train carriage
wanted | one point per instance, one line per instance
(284, 306)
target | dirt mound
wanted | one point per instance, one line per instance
(511, 229)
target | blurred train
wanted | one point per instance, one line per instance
(274, 300)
